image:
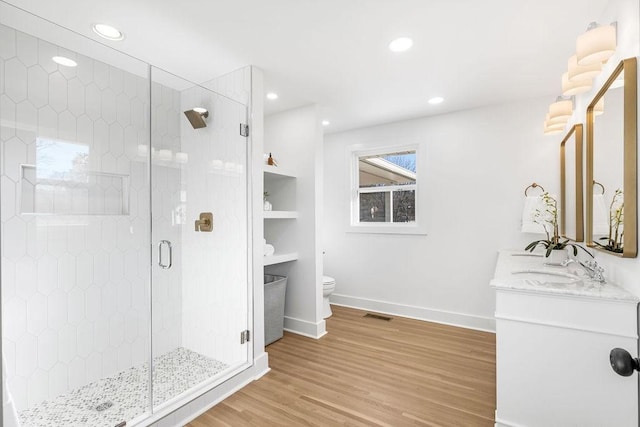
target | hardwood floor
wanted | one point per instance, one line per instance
(368, 371)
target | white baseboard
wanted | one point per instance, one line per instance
(487, 324)
(261, 365)
(305, 328)
(503, 423)
(202, 404)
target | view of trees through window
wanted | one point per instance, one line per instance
(387, 187)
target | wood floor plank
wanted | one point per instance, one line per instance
(370, 372)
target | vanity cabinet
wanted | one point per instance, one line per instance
(552, 352)
(278, 227)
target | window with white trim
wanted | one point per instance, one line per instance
(385, 190)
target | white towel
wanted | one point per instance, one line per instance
(531, 204)
(8, 407)
(269, 250)
(600, 216)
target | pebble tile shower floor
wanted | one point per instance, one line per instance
(124, 396)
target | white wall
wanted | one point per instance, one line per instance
(295, 139)
(480, 161)
(478, 164)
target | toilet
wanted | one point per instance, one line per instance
(328, 286)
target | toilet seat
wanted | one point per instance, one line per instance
(328, 286)
(328, 281)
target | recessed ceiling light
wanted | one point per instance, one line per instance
(326, 123)
(272, 95)
(108, 32)
(400, 44)
(64, 61)
(435, 100)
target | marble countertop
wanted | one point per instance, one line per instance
(513, 261)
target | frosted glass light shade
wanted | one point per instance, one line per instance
(561, 109)
(570, 88)
(596, 45)
(582, 72)
(555, 121)
(552, 129)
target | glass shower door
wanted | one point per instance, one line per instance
(200, 297)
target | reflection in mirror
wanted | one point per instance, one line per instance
(571, 212)
(611, 164)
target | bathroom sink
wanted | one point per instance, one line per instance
(546, 277)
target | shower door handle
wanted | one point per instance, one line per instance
(160, 261)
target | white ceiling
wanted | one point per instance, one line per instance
(334, 52)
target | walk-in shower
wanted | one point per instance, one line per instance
(114, 309)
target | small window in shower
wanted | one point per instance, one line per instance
(385, 195)
(61, 182)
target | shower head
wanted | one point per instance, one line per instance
(196, 117)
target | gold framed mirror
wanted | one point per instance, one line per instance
(612, 164)
(571, 194)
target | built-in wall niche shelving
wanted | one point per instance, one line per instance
(279, 229)
(280, 258)
(280, 214)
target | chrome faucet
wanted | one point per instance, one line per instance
(593, 270)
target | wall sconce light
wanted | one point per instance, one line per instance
(597, 44)
(593, 48)
(555, 121)
(550, 129)
(553, 125)
(582, 72)
(574, 87)
(561, 109)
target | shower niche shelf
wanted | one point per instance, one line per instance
(280, 225)
(50, 192)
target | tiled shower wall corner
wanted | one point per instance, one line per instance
(235, 85)
(75, 288)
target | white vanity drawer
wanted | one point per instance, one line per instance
(572, 312)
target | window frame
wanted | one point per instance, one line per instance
(354, 225)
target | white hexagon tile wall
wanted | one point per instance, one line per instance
(75, 267)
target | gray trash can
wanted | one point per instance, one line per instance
(275, 288)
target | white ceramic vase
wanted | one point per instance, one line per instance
(267, 205)
(557, 257)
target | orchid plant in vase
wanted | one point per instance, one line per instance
(547, 217)
(616, 224)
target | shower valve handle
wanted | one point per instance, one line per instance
(205, 223)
